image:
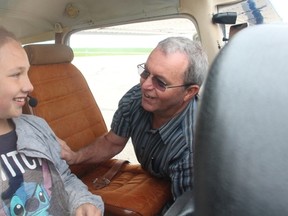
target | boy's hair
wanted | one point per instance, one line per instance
(5, 36)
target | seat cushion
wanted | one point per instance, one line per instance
(132, 191)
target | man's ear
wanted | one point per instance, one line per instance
(191, 91)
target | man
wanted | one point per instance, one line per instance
(158, 115)
(34, 179)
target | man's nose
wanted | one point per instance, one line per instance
(148, 82)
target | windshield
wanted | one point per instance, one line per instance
(254, 12)
(257, 12)
(281, 7)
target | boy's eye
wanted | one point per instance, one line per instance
(16, 74)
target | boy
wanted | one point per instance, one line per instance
(34, 180)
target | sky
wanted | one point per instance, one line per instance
(281, 6)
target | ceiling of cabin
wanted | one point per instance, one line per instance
(30, 17)
(43, 18)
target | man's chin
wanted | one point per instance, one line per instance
(148, 107)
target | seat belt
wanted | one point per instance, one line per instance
(103, 181)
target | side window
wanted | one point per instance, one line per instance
(108, 58)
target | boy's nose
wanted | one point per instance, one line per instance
(27, 87)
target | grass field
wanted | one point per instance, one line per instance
(79, 52)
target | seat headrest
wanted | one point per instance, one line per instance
(241, 149)
(39, 54)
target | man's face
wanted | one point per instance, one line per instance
(170, 70)
(14, 81)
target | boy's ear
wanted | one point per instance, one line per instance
(191, 91)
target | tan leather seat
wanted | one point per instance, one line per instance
(64, 98)
(67, 104)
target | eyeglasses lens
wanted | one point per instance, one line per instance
(144, 74)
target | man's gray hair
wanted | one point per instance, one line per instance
(197, 58)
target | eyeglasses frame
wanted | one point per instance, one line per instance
(166, 86)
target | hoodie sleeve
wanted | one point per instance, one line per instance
(77, 191)
(37, 129)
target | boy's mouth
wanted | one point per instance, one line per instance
(20, 99)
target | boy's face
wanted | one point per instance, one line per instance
(14, 82)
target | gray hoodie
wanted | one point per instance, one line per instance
(36, 139)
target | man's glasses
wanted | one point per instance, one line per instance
(157, 83)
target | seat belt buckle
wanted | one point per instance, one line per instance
(100, 183)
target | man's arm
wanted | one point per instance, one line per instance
(102, 149)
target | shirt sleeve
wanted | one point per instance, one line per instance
(129, 103)
(181, 175)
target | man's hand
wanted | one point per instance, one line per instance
(88, 210)
(102, 149)
(66, 152)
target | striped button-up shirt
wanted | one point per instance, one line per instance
(165, 152)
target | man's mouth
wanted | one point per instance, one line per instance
(148, 96)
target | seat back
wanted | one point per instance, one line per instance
(64, 98)
(241, 150)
